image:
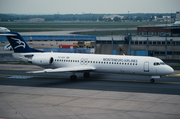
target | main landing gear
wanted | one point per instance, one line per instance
(86, 74)
(74, 77)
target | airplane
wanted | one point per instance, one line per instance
(177, 23)
(3, 30)
(86, 63)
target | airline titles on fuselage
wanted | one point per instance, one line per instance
(121, 60)
(85, 60)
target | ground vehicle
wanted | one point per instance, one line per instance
(79, 44)
(67, 46)
(90, 44)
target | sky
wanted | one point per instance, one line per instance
(88, 6)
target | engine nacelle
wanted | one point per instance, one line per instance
(42, 60)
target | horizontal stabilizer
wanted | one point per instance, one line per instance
(8, 35)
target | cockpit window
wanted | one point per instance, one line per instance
(162, 63)
(157, 63)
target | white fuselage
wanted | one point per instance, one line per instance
(119, 64)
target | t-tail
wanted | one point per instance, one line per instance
(18, 43)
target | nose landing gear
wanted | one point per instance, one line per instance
(154, 77)
(152, 80)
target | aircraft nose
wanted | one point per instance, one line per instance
(170, 70)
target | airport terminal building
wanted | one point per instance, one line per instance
(161, 41)
(161, 30)
(161, 47)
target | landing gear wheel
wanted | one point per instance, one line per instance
(86, 75)
(152, 80)
(73, 77)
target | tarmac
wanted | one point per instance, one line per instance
(103, 96)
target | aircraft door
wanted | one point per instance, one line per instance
(146, 66)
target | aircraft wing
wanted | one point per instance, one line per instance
(65, 69)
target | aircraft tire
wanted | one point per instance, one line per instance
(73, 77)
(152, 80)
(86, 75)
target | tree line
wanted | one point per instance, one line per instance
(85, 17)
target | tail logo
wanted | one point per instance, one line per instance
(21, 43)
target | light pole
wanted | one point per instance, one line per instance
(112, 41)
(95, 38)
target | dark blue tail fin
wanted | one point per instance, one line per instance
(18, 43)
